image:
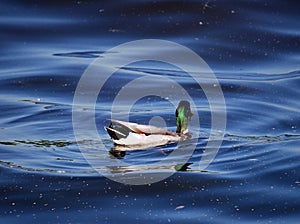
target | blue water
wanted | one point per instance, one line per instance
(253, 47)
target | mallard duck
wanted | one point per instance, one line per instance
(137, 136)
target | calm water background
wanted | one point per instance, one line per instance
(254, 50)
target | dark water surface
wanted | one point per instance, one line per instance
(252, 46)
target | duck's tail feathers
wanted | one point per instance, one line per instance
(117, 131)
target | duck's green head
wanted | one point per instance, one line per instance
(183, 115)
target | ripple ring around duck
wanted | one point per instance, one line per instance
(88, 91)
